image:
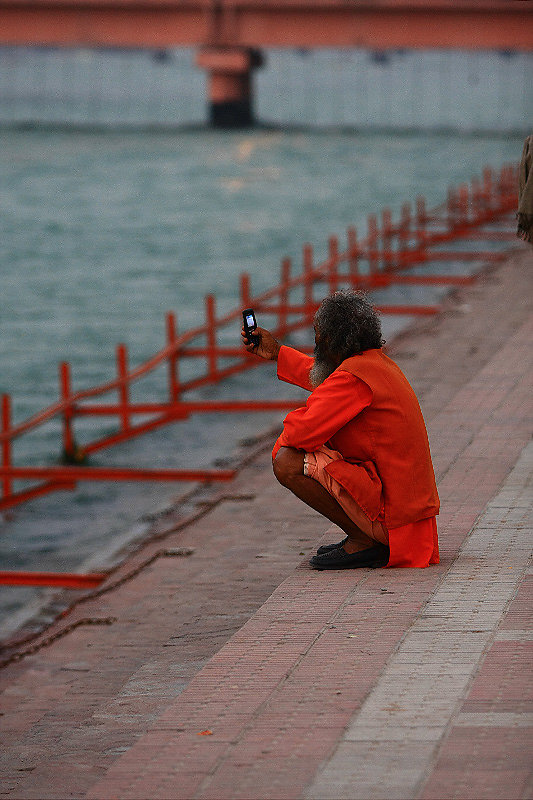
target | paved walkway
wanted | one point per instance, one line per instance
(238, 672)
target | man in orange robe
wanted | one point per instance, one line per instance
(358, 451)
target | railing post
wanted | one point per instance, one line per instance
(464, 203)
(173, 359)
(353, 256)
(451, 205)
(502, 187)
(6, 444)
(69, 444)
(284, 295)
(245, 289)
(512, 179)
(404, 234)
(372, 240)
(333, 264)
(421, 220)
(488, 185)
(386, 238)
(211, 333)
(477, 208)
(307, 256)
(123, 389)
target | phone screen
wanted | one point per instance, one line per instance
(250, 321)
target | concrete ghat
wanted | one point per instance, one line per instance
(391, 744)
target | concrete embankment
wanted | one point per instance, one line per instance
(226, 668)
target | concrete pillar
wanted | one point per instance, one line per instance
(229, 84)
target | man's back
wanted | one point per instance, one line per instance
(390, 433)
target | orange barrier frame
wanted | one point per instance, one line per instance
(382, 259)
(64, 580)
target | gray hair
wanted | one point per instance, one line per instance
(348, 323)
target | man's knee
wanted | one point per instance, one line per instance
(288, 465)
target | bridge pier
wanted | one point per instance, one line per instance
(230, 84)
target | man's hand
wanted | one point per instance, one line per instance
(267, 348)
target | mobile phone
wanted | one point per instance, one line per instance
(250, 324)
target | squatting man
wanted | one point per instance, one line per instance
(358, 451)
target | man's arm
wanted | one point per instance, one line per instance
(293, 366)
(268, 347)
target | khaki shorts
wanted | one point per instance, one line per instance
(314, 467)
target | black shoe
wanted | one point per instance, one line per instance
(327, 548)
(376, 556)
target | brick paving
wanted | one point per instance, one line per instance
(391, 744)
(365, 683)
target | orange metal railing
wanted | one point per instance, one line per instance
(63, 580)
(383, 258)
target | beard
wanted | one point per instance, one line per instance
(321, 369)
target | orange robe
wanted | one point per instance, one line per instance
(367, 411)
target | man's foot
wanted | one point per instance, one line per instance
(327, 548)
(376, 556)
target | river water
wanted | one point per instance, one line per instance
(102, 231)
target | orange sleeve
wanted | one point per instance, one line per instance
(294, 367)
(329, 407)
